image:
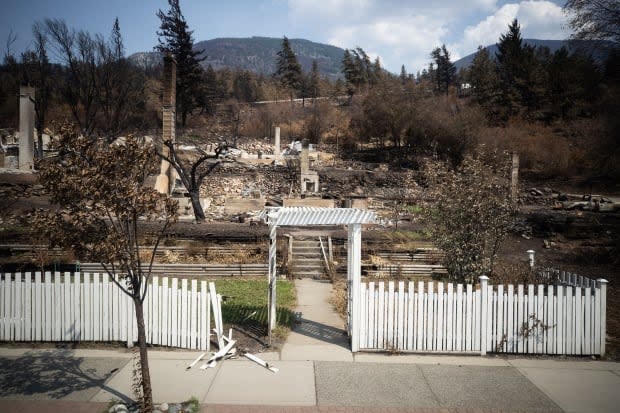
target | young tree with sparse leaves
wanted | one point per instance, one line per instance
(471, 214)
(101, 198)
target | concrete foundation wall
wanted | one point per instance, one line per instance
(309, 202)
(241, 205)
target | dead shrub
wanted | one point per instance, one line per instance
(339, 298)
(516, 273)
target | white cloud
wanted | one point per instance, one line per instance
(398, 40)
(538, 19)
(405, 31)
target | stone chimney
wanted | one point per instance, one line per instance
(166, 177)
(276, 143)
(304, 161)
(26, 128)
(169, 98)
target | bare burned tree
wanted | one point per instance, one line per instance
(594, 19)
(36, 70)
(103, 91)
(99, 190)
(193, 172)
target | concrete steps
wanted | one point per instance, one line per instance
(307, 259)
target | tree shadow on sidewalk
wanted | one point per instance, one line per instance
(57, 374)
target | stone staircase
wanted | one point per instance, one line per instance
(308, 259)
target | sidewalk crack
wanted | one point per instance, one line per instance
(429, 386)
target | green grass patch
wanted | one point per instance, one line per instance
(414, 209)
(243, 297)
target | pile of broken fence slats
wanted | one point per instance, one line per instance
(226, 344)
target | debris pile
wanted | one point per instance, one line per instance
(226, 344)
(569, 202)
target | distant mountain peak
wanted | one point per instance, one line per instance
(258, 54)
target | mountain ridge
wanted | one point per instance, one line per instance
(594, 47)
(257, 54)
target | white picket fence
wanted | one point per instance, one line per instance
(438, 317)
(90, 307)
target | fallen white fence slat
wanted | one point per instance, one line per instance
(261, 362)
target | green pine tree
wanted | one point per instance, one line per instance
(288, 69)
(176, 38)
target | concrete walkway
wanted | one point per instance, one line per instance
(321, 334)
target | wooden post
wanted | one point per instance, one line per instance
(514, 177)
(484, 292)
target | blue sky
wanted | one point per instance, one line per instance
(397, 31)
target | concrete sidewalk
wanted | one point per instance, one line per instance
(86, 380)
(318, 373)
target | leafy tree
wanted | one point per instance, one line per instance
(471, 214)
(176, 38)
(288, 69)
(594, 19)
(386, 114)
(99, 190)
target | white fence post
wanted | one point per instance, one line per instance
(484, 292)
(603, 287)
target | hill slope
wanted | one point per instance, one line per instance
(587, 46)
(258, 54)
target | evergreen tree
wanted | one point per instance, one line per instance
(350, 72)
(377, 72)
(485, 83)
(288, 69)
(446, 71)
(176, 38)
(314, 81)
(510, 60)
(403, 74)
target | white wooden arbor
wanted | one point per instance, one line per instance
(307, 216)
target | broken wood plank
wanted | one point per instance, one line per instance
(261, 362)
(217, 314)
(193, 363)
(219, 355)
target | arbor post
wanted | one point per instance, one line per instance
(272, 277)
(354, 278)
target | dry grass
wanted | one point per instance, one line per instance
(338, 299)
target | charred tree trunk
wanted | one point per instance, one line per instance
(147, 391)
(199, 214)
